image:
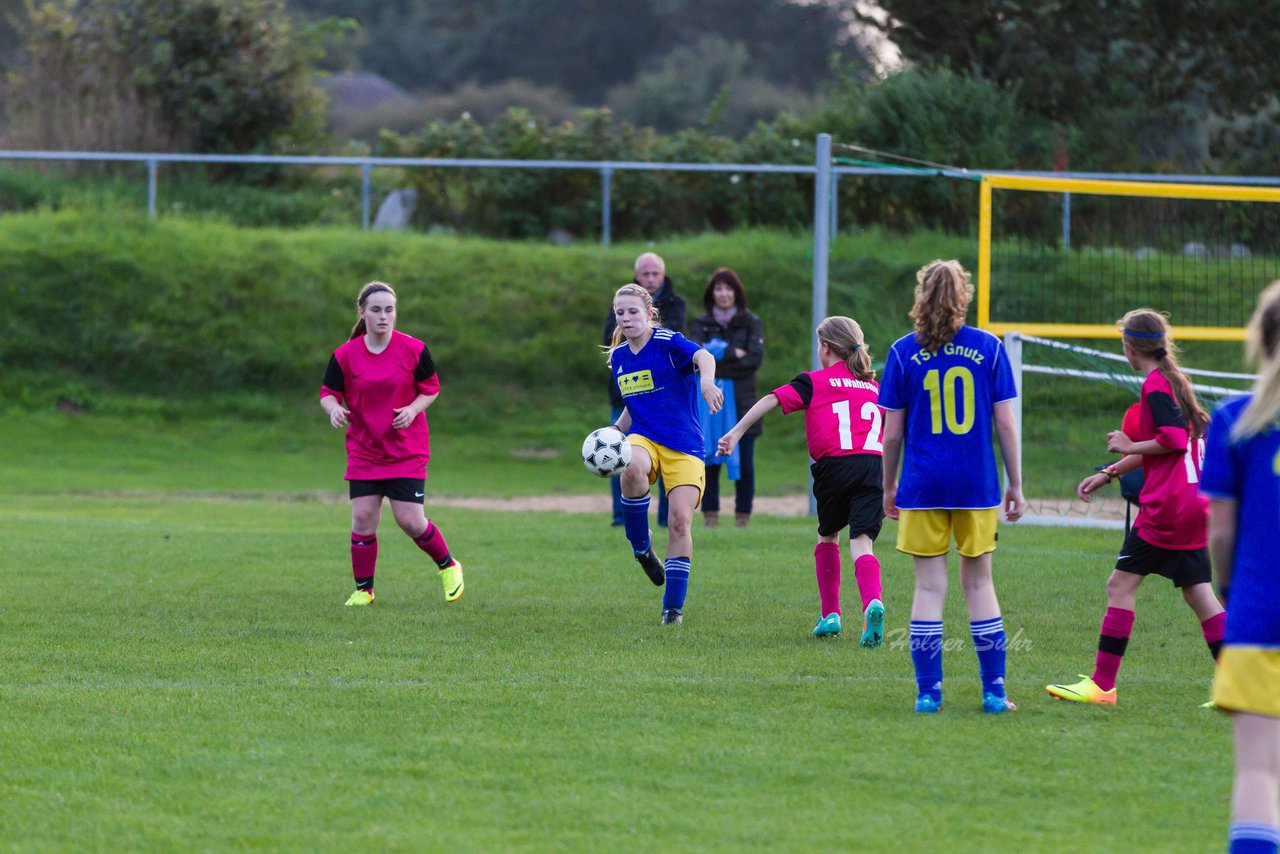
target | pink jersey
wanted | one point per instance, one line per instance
(1173, 513)
(841, 417)
(372, 385)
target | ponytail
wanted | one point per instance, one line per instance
(844, 336)
(1147, 332)
(943, 293)
(1262, 348)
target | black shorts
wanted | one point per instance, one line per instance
(849, 491)
(396, 488)
(1184, 567)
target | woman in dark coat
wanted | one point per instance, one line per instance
(728, 320)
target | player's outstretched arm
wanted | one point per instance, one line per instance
(1007, 435)
(730, 440)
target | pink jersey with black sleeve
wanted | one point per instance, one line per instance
(1173, 513)
(841, 416)
(372, 386)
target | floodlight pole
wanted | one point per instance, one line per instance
(822, 215)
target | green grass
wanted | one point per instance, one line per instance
(182, 674)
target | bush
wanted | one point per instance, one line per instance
(225, 76)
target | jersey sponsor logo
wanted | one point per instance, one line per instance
(951, 349)
(849, 382)
(637, 383)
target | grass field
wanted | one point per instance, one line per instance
(180, 674)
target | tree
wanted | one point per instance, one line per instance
(582, 46)
(227, 76)
(1100, 65)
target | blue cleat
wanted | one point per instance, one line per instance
(828, 626)
(926, 705)
(872, 625)
(993, 705)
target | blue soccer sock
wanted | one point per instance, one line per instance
(926, 655)
(989, 644)
(635, 519)
(677, 569)
(1253, 837)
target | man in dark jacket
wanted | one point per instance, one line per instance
(650, 274)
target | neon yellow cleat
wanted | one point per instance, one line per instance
(451, 578)
(361, 597)
(1084, 691)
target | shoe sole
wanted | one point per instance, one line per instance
(873, 630)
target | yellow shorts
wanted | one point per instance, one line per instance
(675, 468)
(927, 533)
(1248, 680)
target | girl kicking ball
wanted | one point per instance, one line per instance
(659, 374)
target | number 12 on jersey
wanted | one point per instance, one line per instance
(871, 418)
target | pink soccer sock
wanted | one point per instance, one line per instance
(364, 558)
(1214, 628)
(1117, 625)
(432, 542)
(866, 570)
(826, 558)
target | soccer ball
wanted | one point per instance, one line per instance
(606, 452)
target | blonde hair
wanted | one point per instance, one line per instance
(1262, 348)
(1147, 332)
(631, 290)
(844, 336)
(943, 293)
(367, 291)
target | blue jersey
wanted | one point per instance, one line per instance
(659, 387)
(1249, 473)
(948, 458)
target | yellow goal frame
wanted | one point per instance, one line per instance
(1099, 187)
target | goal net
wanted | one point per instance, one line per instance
(1065, 258)
(1060, 260)
(1071, 397)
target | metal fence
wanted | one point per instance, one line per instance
(605, 168)
(826, 173)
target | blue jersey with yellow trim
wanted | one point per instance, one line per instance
(1249, 473)
(948, 457)
(659, 387)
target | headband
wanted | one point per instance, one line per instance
(1133, 334)
(376, 289)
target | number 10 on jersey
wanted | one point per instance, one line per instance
(943, 391)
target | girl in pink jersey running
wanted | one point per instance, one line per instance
(1169, 536)
(377, 388)
(843, 428)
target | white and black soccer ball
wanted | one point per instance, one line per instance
(606, 452)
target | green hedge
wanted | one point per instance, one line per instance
(174, 310)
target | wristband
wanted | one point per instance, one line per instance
(1111, 473)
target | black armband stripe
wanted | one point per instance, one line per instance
(333, 375)
(426, 367)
